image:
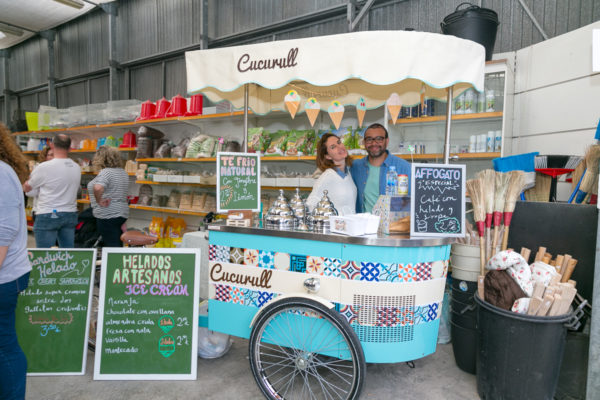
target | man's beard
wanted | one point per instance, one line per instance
(376, 154)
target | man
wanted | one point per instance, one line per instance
(57, 182)
(369, 173)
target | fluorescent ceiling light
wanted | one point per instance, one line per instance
(10, 30)
(71, 3)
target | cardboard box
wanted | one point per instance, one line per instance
(264, 181)
(191, 179)
(293, 182)
(306, 182)
(354, 225)
(175, 178)
(391, 209)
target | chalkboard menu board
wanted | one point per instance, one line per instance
(148, 314)
(238, 181)
(437, 200)
(53, 313)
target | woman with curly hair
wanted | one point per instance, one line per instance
(108, 195)
(334, 161)
(14, 264)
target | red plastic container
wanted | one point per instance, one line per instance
(162, 106)
(178, 107)
(195, 105)
(148, 110)
(128, 140)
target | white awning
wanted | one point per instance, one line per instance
(343, 67)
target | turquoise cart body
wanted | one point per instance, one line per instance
(389, 289)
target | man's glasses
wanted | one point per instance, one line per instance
(378, 139)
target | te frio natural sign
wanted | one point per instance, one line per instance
(53, 313)
(148, 314)
(238, 181)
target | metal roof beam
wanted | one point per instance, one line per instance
(353, 23)
(533, 19)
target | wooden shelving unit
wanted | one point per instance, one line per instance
(168, 210)
(455, 117)
(134, 124)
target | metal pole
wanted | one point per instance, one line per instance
(593, 376)
(50, 36)
(246, 118)
(5, 54)
(448, 123)
(113, 78)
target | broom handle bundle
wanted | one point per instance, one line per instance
(505, 238)
(495, 240)
(482, 256)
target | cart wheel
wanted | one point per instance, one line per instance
(299, 349)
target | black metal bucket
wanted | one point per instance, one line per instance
(474, 23)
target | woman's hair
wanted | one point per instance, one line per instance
(322, 162)
(11, 154)
(107, 157)
(43, 154)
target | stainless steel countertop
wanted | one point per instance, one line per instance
(369, 240)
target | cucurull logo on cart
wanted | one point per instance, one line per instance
(220, 273)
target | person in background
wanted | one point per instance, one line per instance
(46, 154)
(108, 195)
(57, 181)
(369, 173)
(14, 264)
(334, 161)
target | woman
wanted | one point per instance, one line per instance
(46, 154)
(334, 161)
(108, 195)
(14, 264)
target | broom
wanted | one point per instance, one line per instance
(515, 186)
(501, 185)
(488, 180)
(541, 190)
(592, 156)
(475, 189)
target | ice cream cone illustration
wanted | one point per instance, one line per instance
(361, 110)
(394, 104)
(336, 112)
(292, 102)
(312, 108)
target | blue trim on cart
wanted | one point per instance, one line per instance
(220, 319)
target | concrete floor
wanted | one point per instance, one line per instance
(229, 377)
(434, 377)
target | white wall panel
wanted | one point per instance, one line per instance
(567, 106)
(567, 143)
(562, 58)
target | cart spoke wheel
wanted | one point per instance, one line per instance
(300, 349)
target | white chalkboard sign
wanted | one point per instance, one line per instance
(437, 200)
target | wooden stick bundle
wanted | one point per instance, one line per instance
(475, 191)
(515, 187)
(488, 180)
(500, 187)
(592, 156)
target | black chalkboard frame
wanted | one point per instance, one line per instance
(255, 205)
(461, 202)
(191, 374)
(89, 254)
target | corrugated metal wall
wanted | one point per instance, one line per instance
(149, 28)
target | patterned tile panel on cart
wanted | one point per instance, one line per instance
(378, 318)
(344, 269)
